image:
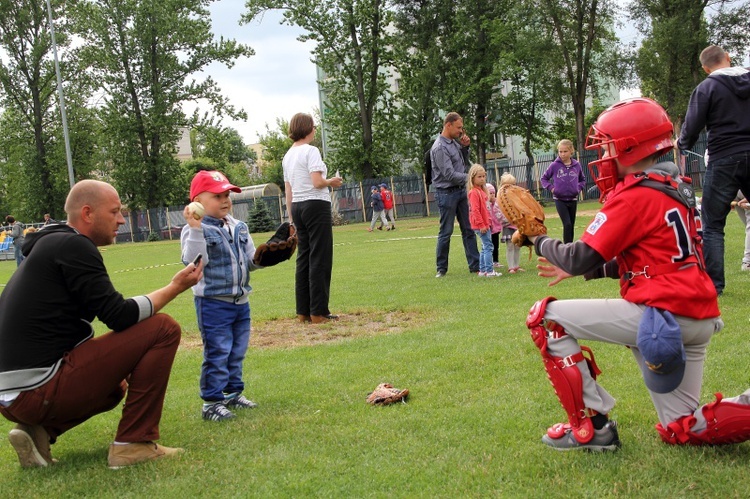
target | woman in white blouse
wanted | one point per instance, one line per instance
(308, 203)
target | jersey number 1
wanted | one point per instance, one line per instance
(681, 233)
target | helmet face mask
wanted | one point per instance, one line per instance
(626, 133)
(604, 169)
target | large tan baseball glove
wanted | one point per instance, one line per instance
(523, 211)
(279, 248)
(385, 394)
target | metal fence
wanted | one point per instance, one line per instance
(166, 223)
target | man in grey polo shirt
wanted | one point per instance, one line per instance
(449, 179)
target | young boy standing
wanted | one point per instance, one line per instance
(387, 197)
(376, 201)
(221, 296)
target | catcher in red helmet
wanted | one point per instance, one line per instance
(646, 236)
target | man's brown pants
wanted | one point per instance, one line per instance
(95, 376)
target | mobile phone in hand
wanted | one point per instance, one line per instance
(198, 259)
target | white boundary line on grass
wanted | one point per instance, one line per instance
(394, 239)
(339, 244)
(406, 238)
(146, 268)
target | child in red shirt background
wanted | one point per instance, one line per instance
(479, 217)
(387, 197)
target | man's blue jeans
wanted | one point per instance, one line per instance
(453, 204)
(19, 256)
(720, 184)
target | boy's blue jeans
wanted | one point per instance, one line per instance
(225, 331)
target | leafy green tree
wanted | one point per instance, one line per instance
(585, 40)
(259, 219)
(147, 56)
(728, 24)
(675, 33)
(529, 64)
(472, 82)
(445, 54)
(238, 174)
(564, 126)
(353, 49)
(225, 149)
(667, 61)
(421, 65)
(275, 145)
(32, 139)
(193, 166)
(223, 145)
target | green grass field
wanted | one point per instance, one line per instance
(479, 402)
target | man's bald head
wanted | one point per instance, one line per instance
(714, 57)
(85, 193)
(94, 210)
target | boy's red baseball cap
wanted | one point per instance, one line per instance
(210, 181)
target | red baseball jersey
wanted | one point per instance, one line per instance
(642, 227)
(387, 198)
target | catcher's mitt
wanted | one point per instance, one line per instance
(523, 211)
(385, 394)
(277, 249)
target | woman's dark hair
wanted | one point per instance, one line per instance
(300, 126)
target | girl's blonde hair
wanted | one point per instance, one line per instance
(475, 168)
(566, 142)
(507, 178)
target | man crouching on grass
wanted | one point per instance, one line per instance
(54, 374)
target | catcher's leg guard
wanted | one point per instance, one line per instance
(726, 423)
(563, 374)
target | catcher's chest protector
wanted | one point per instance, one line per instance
(564, 374)
(726, 423)
(683, 193)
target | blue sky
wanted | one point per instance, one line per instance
(278, 81)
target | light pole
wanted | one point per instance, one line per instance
(63, 115)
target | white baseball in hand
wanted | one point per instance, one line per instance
(197, 210)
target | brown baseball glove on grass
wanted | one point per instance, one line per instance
(385, 394)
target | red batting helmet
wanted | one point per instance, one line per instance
(628, 131)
